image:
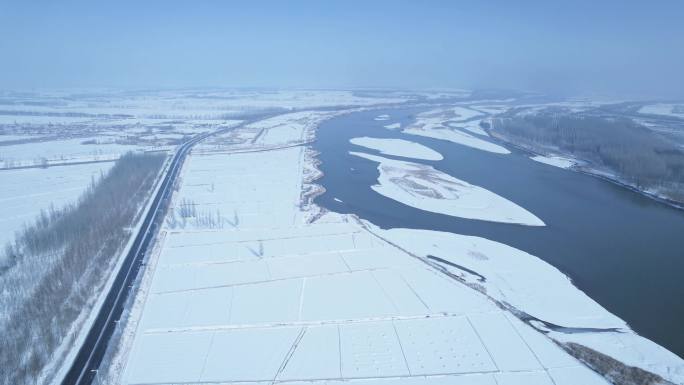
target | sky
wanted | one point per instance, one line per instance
(583, 48)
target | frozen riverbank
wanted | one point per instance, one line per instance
(534, 290)
(556, 161)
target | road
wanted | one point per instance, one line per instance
(84, 367)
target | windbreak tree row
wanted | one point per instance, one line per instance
(620, 146)
(52, 272)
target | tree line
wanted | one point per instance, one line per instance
(53, 270)
(635, 154)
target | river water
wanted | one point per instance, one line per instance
(624, 250)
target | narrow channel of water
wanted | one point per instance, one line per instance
(624, 250)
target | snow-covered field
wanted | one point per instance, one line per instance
(283, 130)
(61, 151)
(24, 193)
(46, 137)
(272, 297)
(428, 189)
(528, 284)
(86, 124)
(250, 282)
(398, 147)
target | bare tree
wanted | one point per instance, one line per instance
(52, 271)
(621, 146)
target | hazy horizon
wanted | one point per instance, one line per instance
(580, 48)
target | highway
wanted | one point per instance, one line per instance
(86, 362)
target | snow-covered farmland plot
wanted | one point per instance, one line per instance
(25, 192)
(59, 152)
(260, 295)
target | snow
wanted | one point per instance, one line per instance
(438, 124)
(667, 109)
(269, 296)
(444, 345)
(490, 109)
(241, 354)
(633, 350)
(361, 284)
(282, 296)
(277, 297)
(9, 138)
(553, 160)
(261, 294)
(285, 130)
(512, 276)
(371, 350)
(398, 147)
(428, 189)
(459, 137)
(37, 119)
(472, 126)
(506, 347)
(312, 359)
(188, 104)
(465, 114)
(171, 358)
(60, 151)
(523, 378)
(530, 285)
(575, 375)
(25, 192)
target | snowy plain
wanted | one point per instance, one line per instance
(339, 305)
(24, 193)
(341, 301)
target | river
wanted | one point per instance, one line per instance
(624, 250)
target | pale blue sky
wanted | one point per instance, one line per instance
(574, 47)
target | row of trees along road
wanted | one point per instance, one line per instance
(53, 270)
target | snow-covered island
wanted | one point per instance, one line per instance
(398, 147)
(554, 160)
(426, 188)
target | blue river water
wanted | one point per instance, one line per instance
(624, 250)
